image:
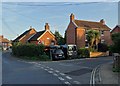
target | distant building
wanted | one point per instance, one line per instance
(45, 37)
(116, 29)
(77, 30)
(23, 38)
(4, 43)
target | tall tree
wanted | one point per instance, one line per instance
(59, 38)
(93, 38)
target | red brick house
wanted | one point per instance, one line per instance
(116, 29)
(23, 38)
(4, 43)
(45, 37)
(77, 30)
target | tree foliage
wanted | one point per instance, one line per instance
(115, 48)
(59, 38)
(93, 38)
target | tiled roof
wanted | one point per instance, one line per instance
(118, 26)
(90, 24)
(36, 36)
(19, 37)
(116, 29)
(3, 40)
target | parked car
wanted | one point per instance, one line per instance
(70, 51)
(58, 54)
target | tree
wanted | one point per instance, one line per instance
(93, 38)
(115, 48)
(59, 38)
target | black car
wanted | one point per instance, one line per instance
(58, 54)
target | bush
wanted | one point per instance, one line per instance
(83, 52)
(102, 47)
(115, 48)
(29, 51)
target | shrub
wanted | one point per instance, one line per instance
(102, 47)
(83, 52)
(29, 51)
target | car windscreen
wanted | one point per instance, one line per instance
(58, 51)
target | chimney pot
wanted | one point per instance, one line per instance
(72, 17)
(102, 21)
(47, 26)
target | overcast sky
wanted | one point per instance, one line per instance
(19, 16)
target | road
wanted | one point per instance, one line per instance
(16, 71)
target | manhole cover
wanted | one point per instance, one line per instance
(79, 72)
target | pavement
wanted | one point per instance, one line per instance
(107, 76)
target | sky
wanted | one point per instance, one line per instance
(17, 17)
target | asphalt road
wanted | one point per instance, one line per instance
(16, 71)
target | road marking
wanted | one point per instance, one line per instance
(57, 71)
(39, 64)
(68, 83)
(50, 71)
(76, 82)
(62, 74)
(68, 77)
(55, 74)
(42, 67)
(61, 78)
(46, 69)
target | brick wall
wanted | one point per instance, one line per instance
(45, 39)
(70, 34)
(107, 37)
(80, 37)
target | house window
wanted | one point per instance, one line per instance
(102, 41)
(86, 44)
(102, 33)
(86, 33)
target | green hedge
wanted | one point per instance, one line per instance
(83, 52)
(29, 51)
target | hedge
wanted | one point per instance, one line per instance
(83, 52)
(29, 51)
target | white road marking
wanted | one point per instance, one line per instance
(76, 82)
(39, 64)
(61, 78)
(46, 69)
(55, 74)
(57, 71)
(62, 74)
(68, 77)
(68, 83)
(50, 71)
(42, 67)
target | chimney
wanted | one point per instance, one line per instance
(2, 36)
(72, 17)
(47, 26)
(30, 27)
(102, 21)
